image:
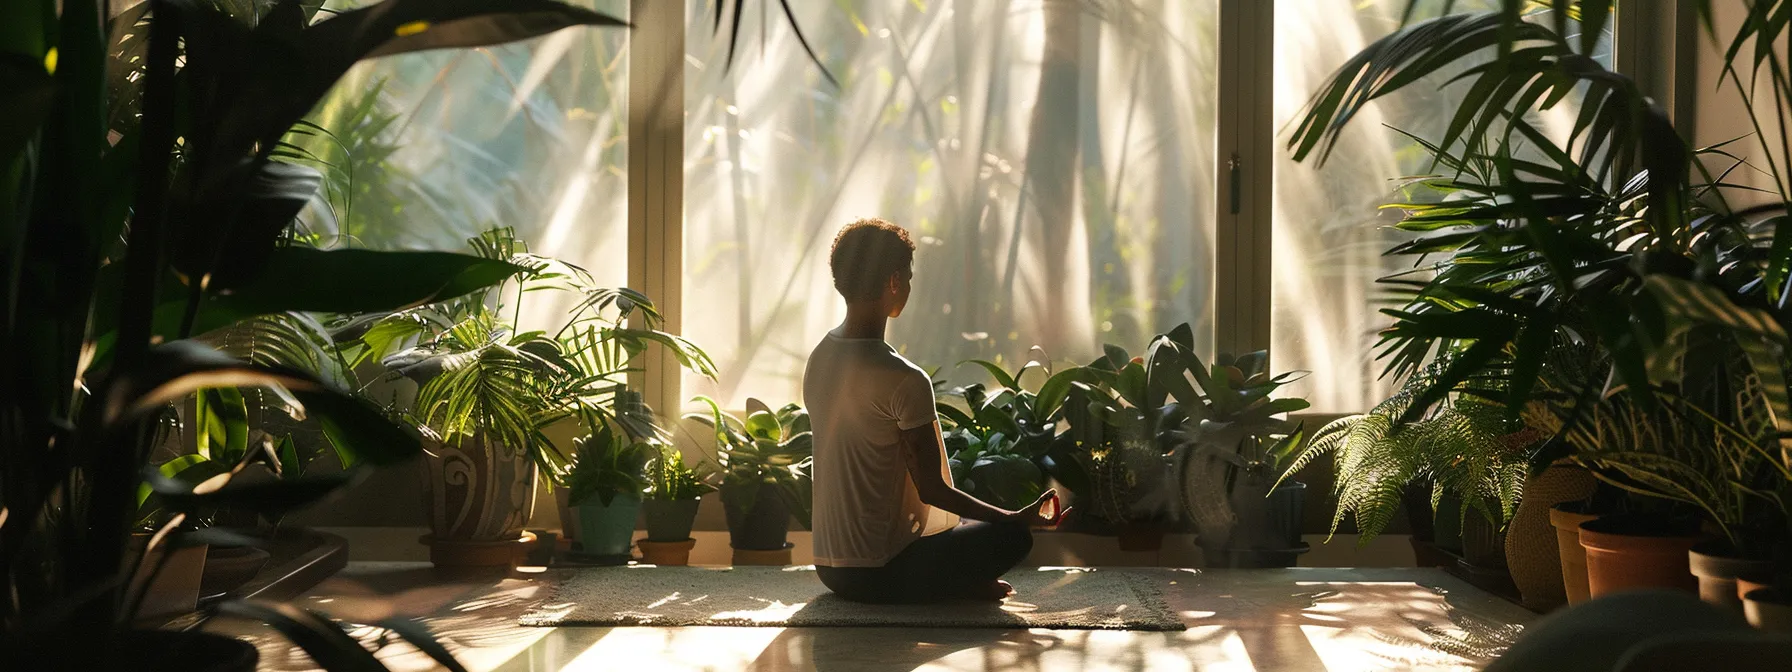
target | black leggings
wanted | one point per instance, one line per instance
(953, 565)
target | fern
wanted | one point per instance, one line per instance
(1461, 447)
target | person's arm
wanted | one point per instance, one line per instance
(921, 449)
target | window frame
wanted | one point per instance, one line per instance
(1654, 41)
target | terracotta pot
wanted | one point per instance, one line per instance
(1745, 586)
(1718, 568)
(1768, 610)
(1627, 553)
(666, 553)
(496, 553)
(228, 567)
(1566, 520)
(776, 558)
(175, 589)
(477, 491)
(1532, 556)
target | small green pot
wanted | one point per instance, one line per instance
(670, 520)
(607, 530)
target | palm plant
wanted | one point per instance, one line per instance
(480, 377)
(143, 203)
(1619, 247)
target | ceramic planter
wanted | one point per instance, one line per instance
(1483, 562)
(175, 589)
(1532, 554)
(1143, 536)
(1447, 523)
(228, 567)
(1627, 553)
(765, 527)
(607, 531)
(1268, 531)
(666, 553)
(1483, 543)
(569, 515)
(1768, 609)
(670, 520)
(478, 496)
(1718, 567)
(1566, 519)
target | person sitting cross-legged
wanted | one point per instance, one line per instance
(887, 518)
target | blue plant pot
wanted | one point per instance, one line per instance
(608, 530)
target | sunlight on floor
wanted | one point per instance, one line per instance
(675, 649)
(1104, 650)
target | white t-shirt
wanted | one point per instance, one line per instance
(860, 395)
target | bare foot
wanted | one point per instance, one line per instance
(997, 590)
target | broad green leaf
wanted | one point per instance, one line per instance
(222, 424)
(1001, 377)
(358, 281)
(265, 497)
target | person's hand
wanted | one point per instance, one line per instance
(1046, 511)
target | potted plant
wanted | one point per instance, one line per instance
(1124, 417)
(1608, 284)
(991, 468)
(148, 201)
(1465, 449)
(605, 482)
(487, 392)
(1240, 449)
(251, 433)
(674, 492)
(998, 440)
(764, 461)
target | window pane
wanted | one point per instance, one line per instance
(1328, 231)
(529, 135)
(1082, 220)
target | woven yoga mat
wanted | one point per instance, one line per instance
(646, 595)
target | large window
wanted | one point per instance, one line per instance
(1054, 164)
(1055, 159)
(431, 148)
(1328, 230)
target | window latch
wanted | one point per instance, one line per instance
(1233, 165)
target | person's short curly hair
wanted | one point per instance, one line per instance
(866, 253)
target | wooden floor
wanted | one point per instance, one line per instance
(1294, 619)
